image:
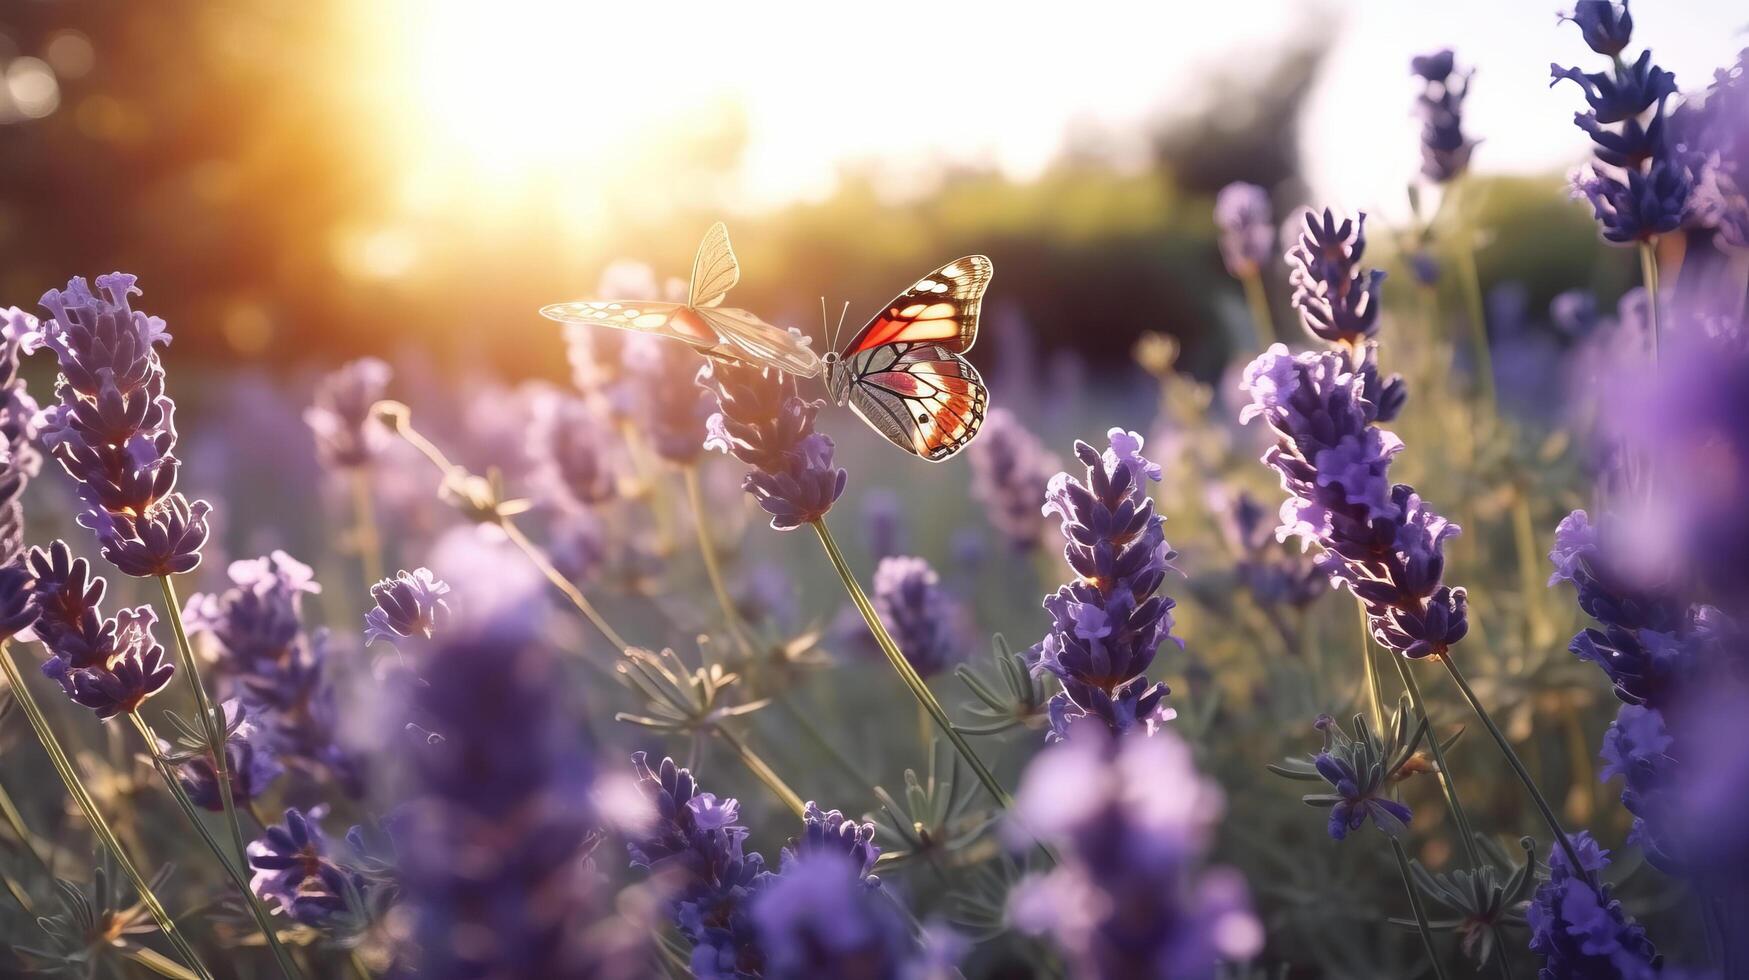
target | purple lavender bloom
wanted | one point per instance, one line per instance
(495, 852)
(815, 920)
(927, 623)
(1575, 312)
(696, 843)
(1010, 470)
(1606, 26)
(1360, 781)
(830, 832)
(1244, 217)
(19, 460)
(248, 758)
(1272, 575)
(575, 452)
(761, 421)
(1108, 624)
(883, 515)
(1337, 299)
(112, 429)
(1714, 136)
(108, 665)
(410, 604)
(1378, 538)
(294, 869)
(347, 435)
(672, 411)
(1445, 151)
(1645, 206)
(1131, 898)
(1580, 930)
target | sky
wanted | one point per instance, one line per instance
(900, 87)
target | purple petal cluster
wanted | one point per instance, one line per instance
(496, 842)
(277, 667)
(249, 759)
(1272, 575)
(575, 452)
(1637, 184)
(671, 410)
(830, 832)
(1338, 300)
(695, 843)
(1359, 778)
(1579, 929)
(1714, 136)
(1378, 538)
(1246, 223)
(815, 920)
(294, 866)
(1010, 469)
(1445, 151)
(763, 422)
(19, 462)
(1132, 819)
(112, 427)
(409, 604)
(929, 625)
(110, 665)
(1108, 624)
(347, 435)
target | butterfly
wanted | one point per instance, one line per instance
(904, 374)
(702, 321)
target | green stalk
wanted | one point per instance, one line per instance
(761, 769)
(370, 543)
(263, 918)
(1421, 924)
(1375, 701)
(99, 825)
(1472, 281)
(1512, 759)
(563, 584)
(906, 672)
(1258, 301)
(1649, 275)
(708, 552)
(15, 820)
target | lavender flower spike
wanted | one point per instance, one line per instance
(1445, 151)
(410, 604)
(108, 665)
(929, 626)
(1108, 624)
(112, 429)
(761, 421)
(1579, 929)
(1247, 226)
(1337, 299)
(1010, 469)
(19, 463)
(347, 435)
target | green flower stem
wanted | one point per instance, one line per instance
(1472, 284)
(906, 672)
(370, 543)
(15, 820)
(1649, 276)
(563, 584)
(1536, 796)
(1258, 301)
(760, 769)
(214, 725)
(1374, 697)
(240, 878)
(1420, 911)
(99, 825)
(708, 552)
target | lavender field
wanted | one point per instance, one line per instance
(1291, 522)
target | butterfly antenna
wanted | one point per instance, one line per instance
(836, 333)
(825, 324)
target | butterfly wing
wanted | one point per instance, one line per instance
(674, 320)
(714, 269)
(748, 338)
(925, 398)
(941, 308)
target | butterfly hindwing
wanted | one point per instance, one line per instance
(941, 308)
(715, 270)
(753, 340)
(925, 398)
(674, 320)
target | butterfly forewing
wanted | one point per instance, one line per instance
(675, 320)
(925, 398)
(753, 340)
(941, 308)
(714, 269)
